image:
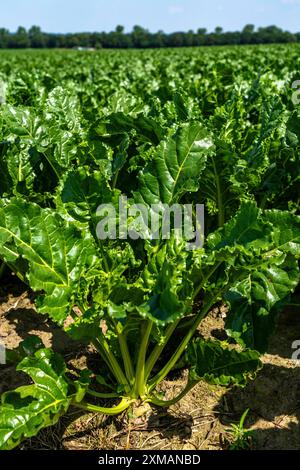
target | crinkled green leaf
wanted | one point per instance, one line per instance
(246, 229)
(27, 347)
(166, 279)
(176, 166)
(26, 410)
(120, 123)
(81, 192)
(55, 251)
(286, 231)
(256, 301)
(218, 364)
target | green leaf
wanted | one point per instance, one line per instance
(256, 301)
(176, 166)
(119, 123)
(167, 281)
(85, 327)
(56, 253)
(293, 129)
(286, 231)
(23, 123)
(217, 364)
(26, 410)
(80, 192)
(252, 260)
(26, 348)
(246, 229)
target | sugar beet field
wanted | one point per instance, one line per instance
(113, 336)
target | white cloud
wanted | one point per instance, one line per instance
(175, 9)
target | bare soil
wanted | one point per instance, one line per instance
(199, 421)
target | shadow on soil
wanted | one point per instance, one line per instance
(274, 397)
(73, 433)
(274, 403)
(25, 321)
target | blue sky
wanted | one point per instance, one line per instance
(169, 15)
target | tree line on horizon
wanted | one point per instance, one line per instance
(140, 37)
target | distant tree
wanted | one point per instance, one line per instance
(69, 41)
(4, 38)
(270, 34)
(36, 37)
(120, 29)
(188, 38)
(142, 38)
(158, 39)
(50, 40)
(20, 39)
(247, 34)
(200, 37)
(175, 39)
(248, 29)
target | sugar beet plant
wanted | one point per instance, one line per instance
(161, 129)
(140, 303)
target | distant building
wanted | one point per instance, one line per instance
(80, 48)
(2, 354)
